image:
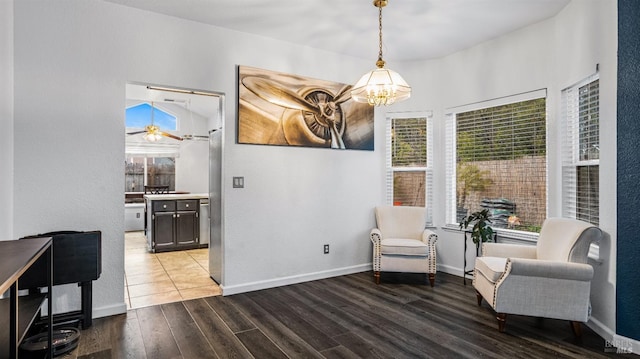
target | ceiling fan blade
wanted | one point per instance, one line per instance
(136, 132)
(170, 136)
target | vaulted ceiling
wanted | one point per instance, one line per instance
(412, 29)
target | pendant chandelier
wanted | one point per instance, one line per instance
(380, 86)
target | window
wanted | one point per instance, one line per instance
(139, 116)
(149, 164)
(149, 171)
(134, 174)
(409, 163)
(496, 160)
(581, 151)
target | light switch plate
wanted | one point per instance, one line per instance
(238, 182)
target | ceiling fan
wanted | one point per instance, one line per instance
(152, 133)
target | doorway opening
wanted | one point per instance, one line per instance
(169, 147)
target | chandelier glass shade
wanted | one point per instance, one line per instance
(380, 86)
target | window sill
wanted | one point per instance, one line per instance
(503, 234)
(528, 238)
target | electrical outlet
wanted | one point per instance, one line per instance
(326, 249)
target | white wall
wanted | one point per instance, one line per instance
(6, 120)
(73, 59)
(552, 54)
(192, 167)
(587, 35)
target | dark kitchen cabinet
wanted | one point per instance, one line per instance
(175, 225)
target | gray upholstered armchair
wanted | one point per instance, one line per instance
(551, 279)
(401, 243)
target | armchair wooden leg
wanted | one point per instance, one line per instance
(502, 321)
(376, 276)
(479, 298)
(577, 329)
(432, 279)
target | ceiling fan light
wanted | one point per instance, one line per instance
(152, 137)
(381, 87)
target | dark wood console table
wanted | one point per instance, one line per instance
(16, 259)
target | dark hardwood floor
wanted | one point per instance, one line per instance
(343, 317)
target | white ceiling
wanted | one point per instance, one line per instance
(412, 29)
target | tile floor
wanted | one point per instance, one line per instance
(157, 278)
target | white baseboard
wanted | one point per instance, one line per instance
(625, 345)
(278, 282)
(109, 310)
(449, 269)
(602, 330)
(614, 343)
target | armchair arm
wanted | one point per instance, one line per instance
(542, 288)
(429, 237)
(505, 250)
(375, 236)
(549, 269)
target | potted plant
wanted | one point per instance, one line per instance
(481, 231)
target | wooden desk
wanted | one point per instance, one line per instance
(16, 258)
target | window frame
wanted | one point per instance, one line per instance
(390, 170)
(570, 151)
(451, 160)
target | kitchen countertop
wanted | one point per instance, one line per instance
(172, 196)
(134, 205)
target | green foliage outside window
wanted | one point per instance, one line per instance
(503, 132)
(409, 142)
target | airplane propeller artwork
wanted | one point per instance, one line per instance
(321, 110)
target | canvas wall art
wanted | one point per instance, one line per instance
(288, 110)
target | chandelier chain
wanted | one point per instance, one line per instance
(380, 32)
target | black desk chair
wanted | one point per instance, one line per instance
(156, 189)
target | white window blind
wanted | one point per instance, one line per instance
(450, 168)
(581, 151)
(496, 160)
(409, 160)
(146, 149)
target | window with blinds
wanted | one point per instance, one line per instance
(581, 151)
(496, 160)
(149, 171)
(409, 161)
